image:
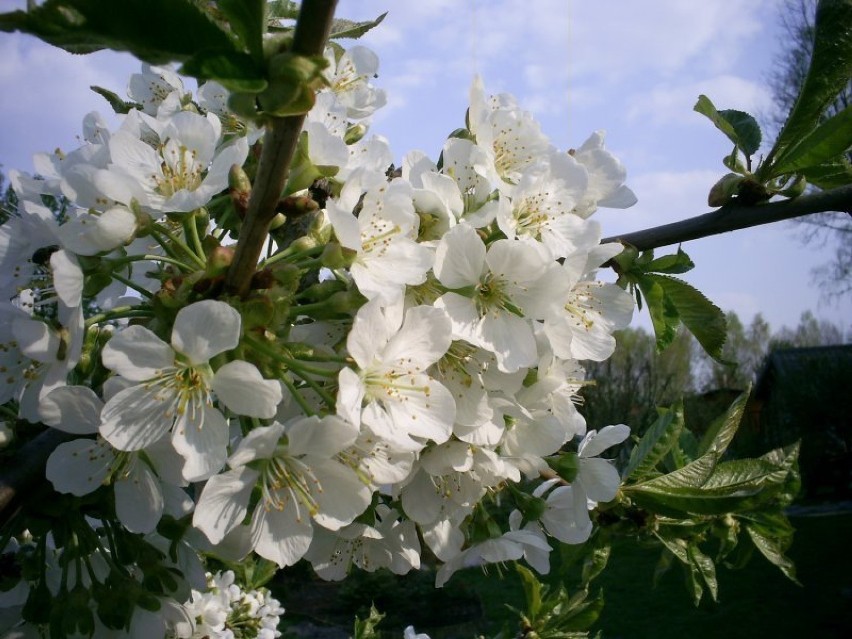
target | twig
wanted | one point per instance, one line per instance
(734, 217)
(279, 143)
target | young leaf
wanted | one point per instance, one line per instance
(829, 72)
(118, 105)
(664, 316)
(532, 591)
(829, 175)
(829, 141)
(349, 29)
(704, 319)
(741, 128)
(655, 443)
(746, 128)
(234, 70)
(722, 430)
(704, 566)
(773, 549)
(156, 31)
(677, 263)
(248, 22)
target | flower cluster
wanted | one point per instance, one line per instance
(226, 611)
(411, 343)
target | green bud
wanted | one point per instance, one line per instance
(322, 290)
(219, 259)
(243, 105)
(336, 256)
(278, 221)
(796, 188)
(567, 465)
(354, 133)
(724, 190)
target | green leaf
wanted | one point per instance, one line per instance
(722, 430)
(705, 320)
(664, 316)
(705, 568)
(366, 628)
(655, 443)
(773, 549)
(693, 475)
(677, 263)
(248, 22)
(829, 141)
(156, 31)
(348, 29)
(234, 70)
(829, 175)
(595, 562)
(746, 128)
(532, 591)
(828, 74)
(741, 128)
(118, 105)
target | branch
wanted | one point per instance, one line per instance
(733, 217)
(279, 143)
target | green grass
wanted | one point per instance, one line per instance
(755, 602)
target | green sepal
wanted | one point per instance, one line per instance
(678, 263)
(118, 105)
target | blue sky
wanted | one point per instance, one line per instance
(631, 67)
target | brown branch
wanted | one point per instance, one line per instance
(733, 217)
(279, 143)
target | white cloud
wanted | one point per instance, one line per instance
(671, 102)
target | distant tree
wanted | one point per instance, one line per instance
(809, 332)
(628, 386)
(742, 356)
(834, 229)
(8, 199)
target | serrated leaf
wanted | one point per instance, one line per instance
(828, 142)
(532, 591)
(595, 562)
(828, 73)
(234, 70)
(366, 628)
(773, 549)
(723, 428)
(677, 263)
(703, 318)
(247, 19)
(705, 567)
(349, 29)
(830, 175)
(693, 475)
(686, 449)
(664, 317)
(655, 443)
(118, 105)
(746, 128)
(282, 10)
(156, 31)
(740, 127)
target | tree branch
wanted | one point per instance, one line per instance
(279, 143)
(734, 217)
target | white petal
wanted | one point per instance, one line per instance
(72, 409)
(80, 466)
(137, 354)
(134, 419)
(281, 536)
(460, 257)
(223, 503)
(201, 437)
(321, 437)
(596, 442)
(600, 478)
(340, 494)
(139, 500)
(205, 329)
(260, 443)
(244, 391)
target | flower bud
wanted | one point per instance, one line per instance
(336, 256)
(724, 190)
